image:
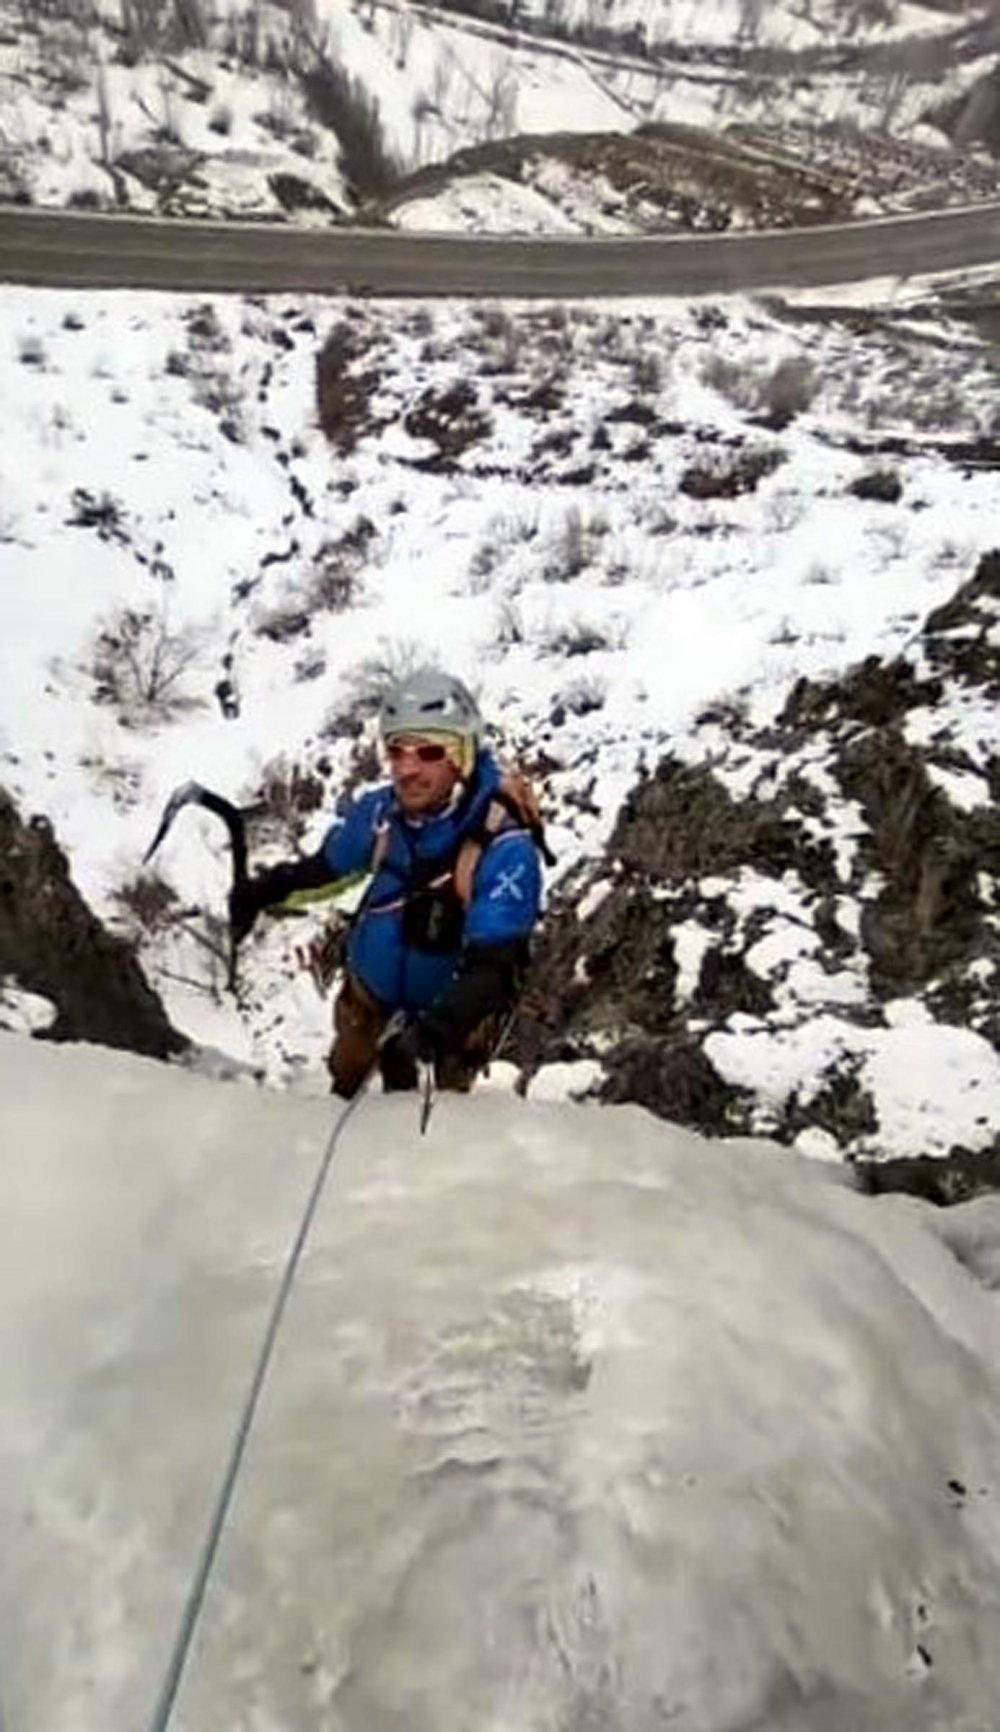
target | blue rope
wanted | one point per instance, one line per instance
(199, 1582)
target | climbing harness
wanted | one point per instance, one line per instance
(199, 1582)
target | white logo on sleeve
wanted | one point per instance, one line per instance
(509, 883)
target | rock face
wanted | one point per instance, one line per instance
(51, 944)
(837, 862)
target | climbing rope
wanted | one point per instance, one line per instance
(199, 1582)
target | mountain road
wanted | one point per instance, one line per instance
(85, 250)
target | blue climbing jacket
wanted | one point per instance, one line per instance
(409, 855)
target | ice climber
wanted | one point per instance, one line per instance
(452, 845)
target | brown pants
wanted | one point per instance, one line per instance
(358, 1022)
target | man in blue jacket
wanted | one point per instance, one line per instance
(452, 848)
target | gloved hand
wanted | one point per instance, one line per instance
(416, 1043)
(266, 889)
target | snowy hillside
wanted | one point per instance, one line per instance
(634, 531)
(551, 1383)
(318, 111)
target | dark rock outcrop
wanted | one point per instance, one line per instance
(686, 929)
(51, 944)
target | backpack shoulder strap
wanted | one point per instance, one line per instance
(517, 796)
(514, 805)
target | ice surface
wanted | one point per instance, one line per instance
(577, 1421)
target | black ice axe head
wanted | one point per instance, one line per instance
(193, 794)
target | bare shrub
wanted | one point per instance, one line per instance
(788, 390)
(116, 780)
(734, 380)
(290, 619)
(821, 575)
(344, 388)
(581, 697)
(288, 797)
(783, 511)
(647, 371)
(137, 665)
(205, 330)
(509, 625)
(31, 352)
(212, 385)
(310, 666)
(219, 393)
(150, 27)
(498, 340)
(577, 638)
(728, 474)
(336, 585)
(370, 680)
(336, 582)
(504, 534)
(940, 408)
(146, 904)
(881, 484)
(101, 512)
(577, 545)
(452, 419)
(779, 394)
(487, 559)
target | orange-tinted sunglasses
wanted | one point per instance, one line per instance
(427, 754)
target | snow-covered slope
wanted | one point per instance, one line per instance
(575, 1420)
(314, 111)
(618, 524)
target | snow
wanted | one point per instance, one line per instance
(939, 1077)
(484, 204)
(691, 943)
(935, 1087)
(24, 1012)
(553, 1380)
(87, 109)
(74, 104)
(194, 427)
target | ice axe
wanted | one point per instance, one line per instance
(193, 794)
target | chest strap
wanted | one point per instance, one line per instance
(496, 819)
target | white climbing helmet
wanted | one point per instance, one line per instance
(431, 702)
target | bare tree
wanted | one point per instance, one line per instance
(150, 25)
(103, 117)
(751, 17)
(442, 79)
(138, 663)
(501, 100)
(403, 27)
